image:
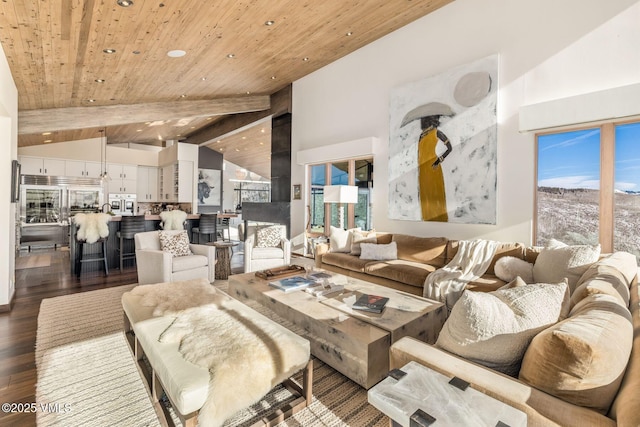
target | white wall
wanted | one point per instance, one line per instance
(8, 152)
(547, 49)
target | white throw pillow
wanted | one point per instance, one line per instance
(379, 252)
(495, 328)
(508, 268)
(340, 240)
(558, 260)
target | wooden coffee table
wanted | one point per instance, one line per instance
(355, 344)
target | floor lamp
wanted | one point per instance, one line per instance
(340, 194)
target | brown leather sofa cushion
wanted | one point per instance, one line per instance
(346, 261)
(582, 359)
(428, 250)
(411, 273)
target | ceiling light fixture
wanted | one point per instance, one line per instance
(269, 23)
(46, 133)
(176, 53)
(109, 50)
(48, 140)
(91, 100)
(125, 3)
(231, 55)
(183, 95)
(350, 33)
(273, 77)
(99, 80)
(305, 59)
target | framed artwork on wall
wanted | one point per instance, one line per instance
(297, 192)
(443, 146)
(209, 187)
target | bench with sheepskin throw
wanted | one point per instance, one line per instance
(189, 328)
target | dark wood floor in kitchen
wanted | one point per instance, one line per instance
(18, 327)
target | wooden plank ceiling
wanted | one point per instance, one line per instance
(235, 50)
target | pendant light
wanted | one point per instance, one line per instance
(104, 176)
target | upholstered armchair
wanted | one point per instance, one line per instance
(169, 260)
(266, 246)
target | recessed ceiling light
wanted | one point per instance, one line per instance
(305, 59)
(203, 78)
(46, 133)
(237, 149)
(176, 53)
(48, 140)
(91, 100)
(183, 95)
(125, 3)
(218, 141)
(231, 55)
(262, 143)
(109, 50)
(138, 130)
(269, 23)
(222, 149)
(350, 33)
(262, 130)
(248, 93)
(244, 137)
(273, 77)
(99, 80)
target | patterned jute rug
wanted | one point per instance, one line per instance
(87, 375)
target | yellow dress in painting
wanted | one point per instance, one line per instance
(433, 200)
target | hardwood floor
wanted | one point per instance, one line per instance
(18, 327)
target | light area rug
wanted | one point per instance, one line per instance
(85, 366)
(33, 261)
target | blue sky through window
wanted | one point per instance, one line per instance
(572, 159)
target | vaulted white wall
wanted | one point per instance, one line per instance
(8, 152)
(547, 49)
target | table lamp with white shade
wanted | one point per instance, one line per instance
(340, 194)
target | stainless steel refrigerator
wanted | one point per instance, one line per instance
(47, 203)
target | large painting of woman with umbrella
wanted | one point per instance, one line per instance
(443, 147)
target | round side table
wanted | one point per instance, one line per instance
(224, 251)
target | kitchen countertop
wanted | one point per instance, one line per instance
(117, 218)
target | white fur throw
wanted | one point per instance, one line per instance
(92, 226)
(246, 353)
(508, 268)
(173, 220)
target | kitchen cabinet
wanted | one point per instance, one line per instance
(122, 178)
(42, 166)
(83, 169)
(147, 184)
(176, 182)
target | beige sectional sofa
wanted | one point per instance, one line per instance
(417, 258)
(582, 371)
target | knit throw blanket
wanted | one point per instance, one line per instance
(472, 261)
(246, 354)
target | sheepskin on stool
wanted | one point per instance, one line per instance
(92, 226)
(173, 220)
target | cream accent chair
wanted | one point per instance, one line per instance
(256, 258)
(157, 266)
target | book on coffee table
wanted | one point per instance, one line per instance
(370, 303)
(290, 284)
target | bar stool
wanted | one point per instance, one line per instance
(207, 225)
(102, 256)
(93, 228)
(129, 226)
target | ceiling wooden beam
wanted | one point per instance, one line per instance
(58, 119)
